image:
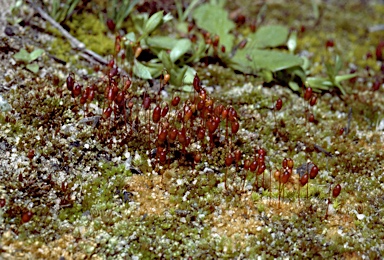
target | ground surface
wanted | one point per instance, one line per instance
(95, 192)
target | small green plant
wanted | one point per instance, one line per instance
(333, 80)
(118, 11)
(62, 11)
(27, 58)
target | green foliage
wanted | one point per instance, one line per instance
(62, 11)
(28, 57)
(214, 20)
(118, 11)
(333, 79)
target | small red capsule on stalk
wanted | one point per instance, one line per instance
(253, 166)
(31, 154)
(165, 110)
(107, 112)
(76, 90)
(2, 203)
(285, 177)
(197, 158)
(261, 169)
(237, 155)
(336, 191)
(175, 101)
(314, 171)
(228, 159)
(162, 135)
(304, 179)
(308, 93)
(247, 165)
(26, 217)
(235, 127)
(172, 134)
(290, 163)
(146, 103)
(196, 83)
(156, 115)
(279, 104)
(70, 82)
(313, 100)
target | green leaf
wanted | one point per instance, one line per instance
(130, 37)
(214, 19)
(294, 86)
(162, 42)
(250, 60)
(141, 71)
(153, 22)
(36, 54)
(269, 36)
(23, 55)
(182, 46)
(33, 67)
(166, 60)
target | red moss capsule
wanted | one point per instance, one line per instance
(113, 72)
(2, 203)
(218, 110)
(247, 165)
(311, 118)
(21, 178)
(163, 157)
(203, 94)
(276, 175)
(26, 217)
(167, 77)
(232, 114)
(200, 133)
(197, 158)
(285, 177)
(76, 90)
(235, 127)
(336, 191)
(127, 84)
(91, 95)
(222, 48)
(162, 135)
(165, 110)
(181, 136)
(279, 104)
(156, 115)
(175, 101)
(290, 163)
(237, 155)
(146, 103)
(228, 159)
(314, 171)
(172, 134)
(196, 83)
(261, 152)
(261, 169)
(31, 154)
(70, 82)
(187, 114)
(120, 97)
(201, 105)
(313, 100)
(111, 24)
(308, 93)
(253, 166)
(107, 112)
(304, 179)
